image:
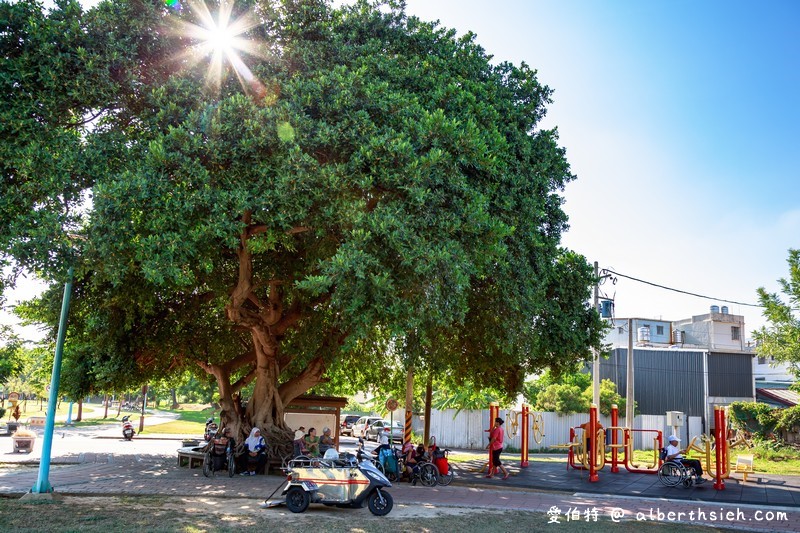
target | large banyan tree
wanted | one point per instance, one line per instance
(281, 191)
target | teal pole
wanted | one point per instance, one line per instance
(69, 415)
(43, 483)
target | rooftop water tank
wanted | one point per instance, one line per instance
(724, 309)
(677, 336)
(715, 309)
(643, 334)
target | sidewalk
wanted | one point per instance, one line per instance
(760, 489)
(85, 465)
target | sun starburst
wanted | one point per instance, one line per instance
(221, 40)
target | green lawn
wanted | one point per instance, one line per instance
(191, 421)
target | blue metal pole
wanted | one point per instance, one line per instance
(69, 415)
(43, 483)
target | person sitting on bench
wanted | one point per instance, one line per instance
(311, 442)
(326, 442)
(255, 452)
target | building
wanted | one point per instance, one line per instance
(717, 330)
(687, 365)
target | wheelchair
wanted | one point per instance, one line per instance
(673, 473)
(219, 458)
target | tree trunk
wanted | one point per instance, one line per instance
(105, 403)
(267, 322)
(80, 411)
(175, 404)
(428, 396)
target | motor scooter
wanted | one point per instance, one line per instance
(341, 482)
(127, 427)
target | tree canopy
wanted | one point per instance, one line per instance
(338, 194)
(780, 338)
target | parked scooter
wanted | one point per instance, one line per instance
(341, 482)
(363, 455)
(127, 427)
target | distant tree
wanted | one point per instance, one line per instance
(11, 346)
(608, 397)
(562, 399)
(780, 338)
(568, 376)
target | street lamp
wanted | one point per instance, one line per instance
(42, 485)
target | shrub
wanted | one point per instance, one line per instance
(789, 419)
(757, 418)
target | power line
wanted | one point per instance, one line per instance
(607, 271)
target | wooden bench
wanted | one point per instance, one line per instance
(36, 421)
(744, 465)
(191, 456)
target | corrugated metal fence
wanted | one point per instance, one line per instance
(467, 429)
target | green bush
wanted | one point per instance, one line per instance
(2, 412)
(789, 418)
(758, 418)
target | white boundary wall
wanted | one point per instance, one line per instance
(467, 429)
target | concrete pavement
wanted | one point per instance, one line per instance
(84, 464)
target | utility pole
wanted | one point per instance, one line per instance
(596, 362)
(629, 380)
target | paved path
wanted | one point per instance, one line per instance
(760, 489)
(84, 464)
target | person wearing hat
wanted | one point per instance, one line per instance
(298, 444)
(674, 453)
(496, 447)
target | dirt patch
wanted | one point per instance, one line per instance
(201, 514)
(250, 507)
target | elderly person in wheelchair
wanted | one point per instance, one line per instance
(676, 468)
(219, 454)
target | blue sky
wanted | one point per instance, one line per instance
(681, 120)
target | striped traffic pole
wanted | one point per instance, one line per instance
(525, 410)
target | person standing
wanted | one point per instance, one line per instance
(496, 435)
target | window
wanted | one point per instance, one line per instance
(735, 333)
(659, 330)
(762, 360)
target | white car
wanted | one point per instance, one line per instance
(361, 425)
